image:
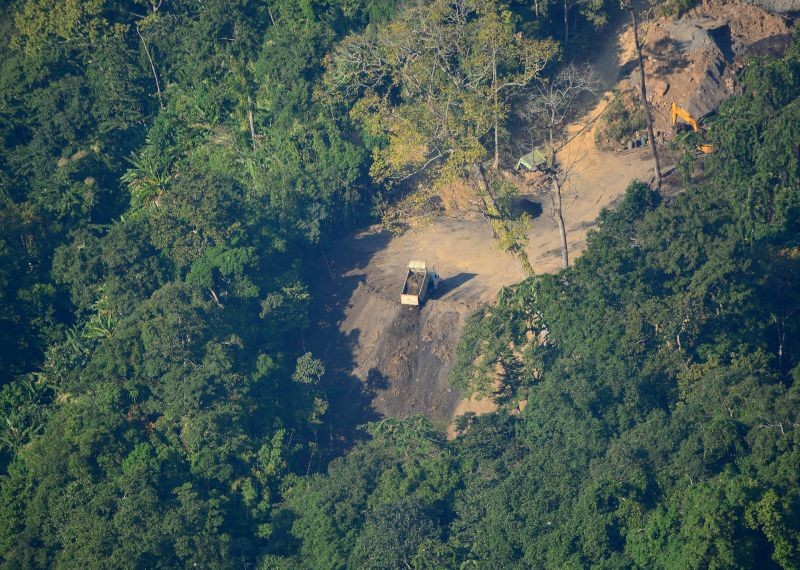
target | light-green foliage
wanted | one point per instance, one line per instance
(429, 85)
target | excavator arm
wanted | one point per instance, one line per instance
(679, 113)
(683, 114)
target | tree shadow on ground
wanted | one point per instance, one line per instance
(376, 382)
(333, 280)
(527, 205)
(667, 55)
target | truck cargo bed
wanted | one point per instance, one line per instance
(414, 284)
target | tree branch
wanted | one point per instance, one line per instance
(152, 66)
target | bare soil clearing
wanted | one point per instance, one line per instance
(389, 360)
(403, 355)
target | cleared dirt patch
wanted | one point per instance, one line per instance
(386, 359)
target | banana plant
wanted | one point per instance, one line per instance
(146, 179)
(102, 322)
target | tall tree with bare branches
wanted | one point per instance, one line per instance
(628, 5)
(508, 61)
(551, 107)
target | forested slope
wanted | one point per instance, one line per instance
(164, 169)
(168, 167)
(659, 380)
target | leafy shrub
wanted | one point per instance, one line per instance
(623, 117)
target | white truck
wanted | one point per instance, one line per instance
(419, 281)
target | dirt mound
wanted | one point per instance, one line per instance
(693, 61)
(416, 353)
(414, 284)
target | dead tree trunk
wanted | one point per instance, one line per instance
(253, 134)
(645, 104)
(486, 193)
(496, 163)
(558, 207)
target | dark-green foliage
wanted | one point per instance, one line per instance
(160, 409)
(155, 390)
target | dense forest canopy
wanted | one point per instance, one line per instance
(167, 169)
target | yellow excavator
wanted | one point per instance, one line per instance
(683, 114)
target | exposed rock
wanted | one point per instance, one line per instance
(709, 56)
(777, 6)
(693, 61)
(660, 88)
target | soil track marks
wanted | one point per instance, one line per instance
(389, 360)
